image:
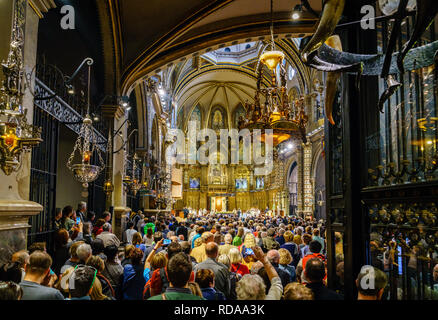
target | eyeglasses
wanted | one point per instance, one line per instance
(84, 266)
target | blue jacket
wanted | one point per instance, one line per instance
(211, 294)
(133, 282)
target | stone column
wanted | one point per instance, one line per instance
(15, 207)
(307, 180)
(115, 116)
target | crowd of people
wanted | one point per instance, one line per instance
(199, 257)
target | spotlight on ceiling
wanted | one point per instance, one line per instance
(128, 108)
(161, 92)
(298, 10)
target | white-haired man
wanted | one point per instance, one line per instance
(225, 248)
(108, 237)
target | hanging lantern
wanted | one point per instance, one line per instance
(16, 135)
(86, 146)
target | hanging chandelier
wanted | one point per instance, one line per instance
(16, 135)
(287, 119)
(136, 184)
(86, 147)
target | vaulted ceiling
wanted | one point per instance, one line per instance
(154, 33)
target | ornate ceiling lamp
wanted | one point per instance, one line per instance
(86, 146)
(136, 183)
(16, 135)
(287, 120)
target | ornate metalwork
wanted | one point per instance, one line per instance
(63, 112)
(16, 135)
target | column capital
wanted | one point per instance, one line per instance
(42, 6)
(112, 111)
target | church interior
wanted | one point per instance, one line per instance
(343, 101)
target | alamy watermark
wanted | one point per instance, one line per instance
(202, 146)
(68, 20)
(368, 281)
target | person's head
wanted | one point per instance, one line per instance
(83, 252)
(137, 239)
(235, 256)
(130, 225)
(435, 272)
(158, 236)
(106, 216)
(81, 281)
(228, 238)
(217, 238)
(99, 223)
(288, 236)
(198, 242)
(224, 259)
(82, 206)
(58, 214)
(340, 271)
(249, 240)
(39, 264)
(11, 272)
(273, 256)
(158, 261)
(97, 246)
(67, 212)
(37, 246)
(128, 250)
(10, 290)
(211, 250)
(179, 269)
(271, 232)
(149, 233)
(136, 256)
(207, 237)
(315, 246)
(74, 250)
(240, 232)
(21, 257)
(316, 232)
(285, 257)
(87, 228)
(251, 287)
(111, 252)
(172, 249)
(106, 227)
(200, 230)
(96, 262)
(297, 291)
(205, 278)
(186, 247)
(307, 238)
(315, 270)
(371, 283)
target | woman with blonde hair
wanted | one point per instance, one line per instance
(137, 241)
(96, 291)
(297, 291)
(195, 289)
(285, 264)
(236, 262)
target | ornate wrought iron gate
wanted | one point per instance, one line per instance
(43, 178)
(382, 182)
